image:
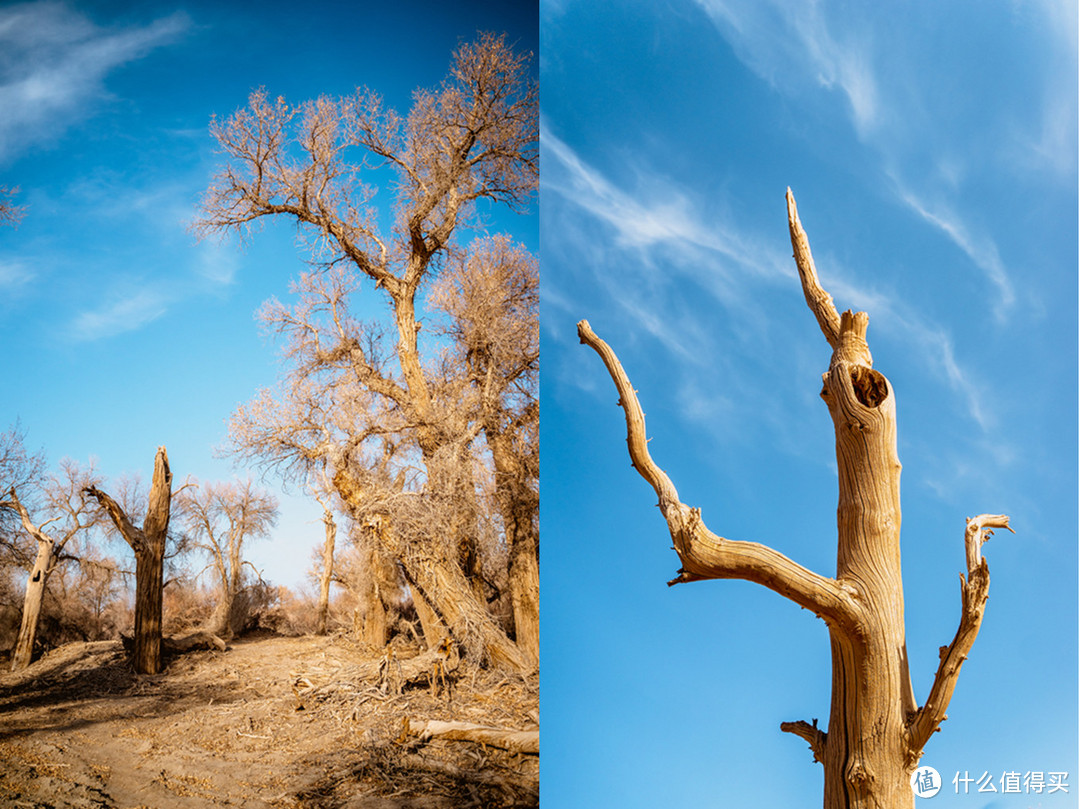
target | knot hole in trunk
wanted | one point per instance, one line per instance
(871, 389)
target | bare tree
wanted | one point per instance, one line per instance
(148, 543)
(219, 518)
(10, 213)
(492, 300)
(63, 506)
(353, 388)
(22, 471)
(877, 730)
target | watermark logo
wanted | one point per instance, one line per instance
(925, 782)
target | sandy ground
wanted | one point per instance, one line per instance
(246, 728)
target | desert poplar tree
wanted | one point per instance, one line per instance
(353, 389)
(492, 300)
(877, 730)
(219, 518)
(61, 514)
(148, 544)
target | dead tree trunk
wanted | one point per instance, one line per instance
(148, 543)
(525, 592)
(449, 598)
(373, 607)
(327, 573)
(519, 504)
(876, 731)
(44, 563)
(49, 548)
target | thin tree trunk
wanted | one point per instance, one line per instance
(432, 627)
(327, 574)
(221, 621)
(35, 594)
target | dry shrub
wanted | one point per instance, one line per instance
(187, 606)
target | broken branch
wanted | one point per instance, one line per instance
(974, 591)
(516, 741)
(814, 736)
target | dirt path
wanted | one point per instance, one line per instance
(80, 729)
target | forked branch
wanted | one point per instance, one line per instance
(973, 593)
(703, 554)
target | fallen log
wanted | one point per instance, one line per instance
(507, 781)
(178, 644)
(516, 741)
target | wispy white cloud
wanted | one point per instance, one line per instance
(129, 311)
(1045, 142)
(898, 114)
(933, 343)
(53, 64)
(647, 234)
(787, 43)
(217, 263)
(669, 218)
(15, 275)
(981, 249)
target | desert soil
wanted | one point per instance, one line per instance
(273, 722)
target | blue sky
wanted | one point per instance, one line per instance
(933, 155)
(120, 331)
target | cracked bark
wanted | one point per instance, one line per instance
(876, 731)
(148, 543)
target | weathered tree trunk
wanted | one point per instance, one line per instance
(48, 553)
(149, 575)
(35, 594)
(148, 543)
(431, 625)
(519, 504)
(876, 731)
(446, 590)
(374, 627)
(223, 618)
(327, 574)
(525, 593)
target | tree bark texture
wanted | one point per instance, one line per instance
(35, 594)
(445, 589)
(46, 558)
(519, 504)
(148, 543)
(876, 730)
(374, 626)
(516, 741)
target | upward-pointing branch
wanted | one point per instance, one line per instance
(819, 301)
(703, 554)
(974, 590)
(131, 534)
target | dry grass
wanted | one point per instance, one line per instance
(80, 729)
